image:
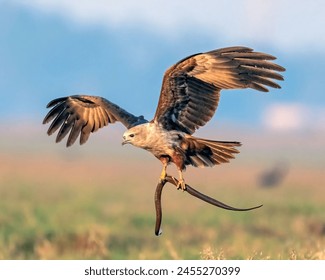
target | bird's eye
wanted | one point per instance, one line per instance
(131, 135)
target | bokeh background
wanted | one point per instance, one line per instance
(96, 201)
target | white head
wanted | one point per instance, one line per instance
(135, 135)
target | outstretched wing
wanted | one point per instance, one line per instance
(191, 88)
(83, 114)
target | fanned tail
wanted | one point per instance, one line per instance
(202, 152)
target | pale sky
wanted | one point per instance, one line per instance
(287, 24)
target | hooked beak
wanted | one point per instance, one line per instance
(125, 141)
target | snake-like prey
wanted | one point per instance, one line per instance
(191, 191)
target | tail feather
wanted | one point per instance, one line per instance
(202, 152)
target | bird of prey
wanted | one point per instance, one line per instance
(189, 97)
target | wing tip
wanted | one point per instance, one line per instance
(56, 101)
(68, 144)
(45, 120)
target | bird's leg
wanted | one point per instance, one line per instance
(163, 174)
(181, 182)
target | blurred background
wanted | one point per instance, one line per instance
(96, 201)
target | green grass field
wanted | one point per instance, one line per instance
(59, 205)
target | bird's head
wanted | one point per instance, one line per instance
(131, 136)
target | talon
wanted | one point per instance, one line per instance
(181, 185)
(175, 180)
(181, 182)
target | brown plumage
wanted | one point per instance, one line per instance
(188, 100)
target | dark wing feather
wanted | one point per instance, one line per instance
(82, 114)
(191, 88)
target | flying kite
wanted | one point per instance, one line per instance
(189, 97)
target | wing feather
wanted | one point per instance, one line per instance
(65, 128)
(82, 114)
(87, 129)
(191, 88)
(59, 119)
(252, 70)
(96, 118)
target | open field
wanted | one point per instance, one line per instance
(64, 204)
